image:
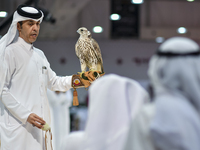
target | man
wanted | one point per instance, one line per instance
(172, 121)
(24, 79)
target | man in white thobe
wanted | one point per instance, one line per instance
(171, 121)
(24, 79)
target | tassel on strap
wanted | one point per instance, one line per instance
(75, 98)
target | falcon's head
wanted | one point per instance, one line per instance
(89, 34)
(83, 31)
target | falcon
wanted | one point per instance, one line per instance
(88, 52)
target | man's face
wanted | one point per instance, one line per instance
(29, 30)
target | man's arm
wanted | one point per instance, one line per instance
(57, 83)
(19, 111)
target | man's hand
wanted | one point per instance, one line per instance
(35, 120)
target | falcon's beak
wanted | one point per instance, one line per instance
(77, 31)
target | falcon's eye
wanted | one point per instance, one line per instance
(81, 29)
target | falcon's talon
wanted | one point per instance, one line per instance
(81, 73)
(98, 76)
(92, 70)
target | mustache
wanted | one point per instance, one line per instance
(34, 33)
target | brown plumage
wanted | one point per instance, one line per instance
(88, 51)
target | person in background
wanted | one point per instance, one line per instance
(60, 102)
(24, 79)
(113, 102)
(172, 121)
(73, 141)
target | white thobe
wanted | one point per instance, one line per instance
(28, 77)
(60, 115)
(139, 137)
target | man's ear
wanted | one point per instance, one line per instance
(19, 27)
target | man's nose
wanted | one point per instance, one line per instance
(35, 27)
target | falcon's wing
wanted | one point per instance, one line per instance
(77, 49)
(97, 50)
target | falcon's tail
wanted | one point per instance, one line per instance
(102, 70)
(100, 67)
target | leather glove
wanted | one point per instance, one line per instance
(92, 75)
(78, 82)
(86, 79)
(83, 80)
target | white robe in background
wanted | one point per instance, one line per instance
(113, 102)
(172, 121)
(175, 77)
(60, 120)
(28, 77)
(73, 141)
(139, 137)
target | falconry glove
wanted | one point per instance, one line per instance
(84, 80)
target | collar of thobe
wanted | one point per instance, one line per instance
(21, 14)
(27, 46)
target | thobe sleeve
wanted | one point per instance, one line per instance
(8, 99)
(57, 83)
